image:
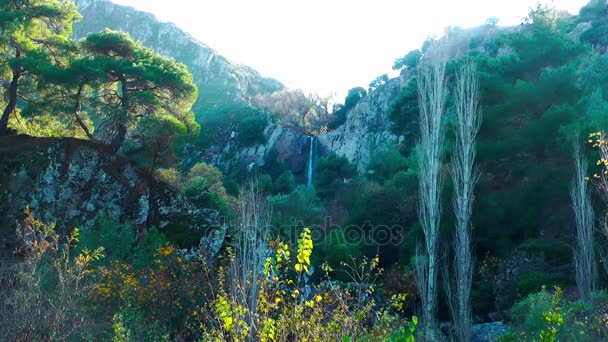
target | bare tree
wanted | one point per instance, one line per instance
(464, 176)
(251, 250)
(302, 111)
(432, 94)
(584, 257)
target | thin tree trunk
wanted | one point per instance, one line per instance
(12, 96)
(584, 257)
(464, 176)
(78, 110)
(432, 94)
(121, 132)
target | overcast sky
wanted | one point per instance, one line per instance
(328, 45)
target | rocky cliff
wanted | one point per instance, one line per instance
(365, 130)
(219, 80)
(367, 126)
(72, 182)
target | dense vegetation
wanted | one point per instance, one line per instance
(331, 262)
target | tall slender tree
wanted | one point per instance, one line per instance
(432, 94)
(464, 176)
(32, 34)
(584, 257)
(251, 251)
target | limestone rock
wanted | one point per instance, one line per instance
(71, 182)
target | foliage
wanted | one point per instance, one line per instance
(33, 36)
(404, 112)
(150, 85)
(331, 172)
(204, 185)
(157, 141)
(251, 130)
(546, 317)
(300, 207)
(340, 111)
(284, 184)
(225, 119)
(595, 12)
(409, 60)
(380, 80)
(45, 296)
(386, 163)
(292, 309)
(405, 334)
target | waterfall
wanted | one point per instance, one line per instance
(310, 162)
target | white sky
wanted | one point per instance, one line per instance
(328, 45)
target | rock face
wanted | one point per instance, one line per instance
(72, 182)
(290, 148)
(488, 332)
(367, 126)
(218, 79)
(365, 131)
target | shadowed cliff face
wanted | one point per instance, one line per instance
(72, 182)
(219, 80)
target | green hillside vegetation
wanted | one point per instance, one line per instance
(334, 262)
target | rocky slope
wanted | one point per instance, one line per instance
(367, 127)
(72, 182)
(365, 131)
(218, 79)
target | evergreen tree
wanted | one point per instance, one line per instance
(33, 34)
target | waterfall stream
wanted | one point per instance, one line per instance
(311, 155)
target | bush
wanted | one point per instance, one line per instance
(171, 177)
(204, 184)
(45, 296)
(300, 206)
(528, 314)
(330, 173)
(528, 283)
(251, 130)
(543, 315)
(284, 184)
(386, 163)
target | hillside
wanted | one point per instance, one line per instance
(212, 203)
(220, 81)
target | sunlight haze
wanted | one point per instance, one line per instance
(328, 46)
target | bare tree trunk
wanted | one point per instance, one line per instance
(584, 257)
(251, 251)
(432, 94)
(121, 127)
(464, 176)
(78, 110)
(12, 96)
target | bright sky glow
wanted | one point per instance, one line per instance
(328, 46)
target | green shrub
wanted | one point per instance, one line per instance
(528, 283)
(118, 239)
(386, 163)
(528, 314)
(251, 130)
(301, 205)
(555, 253)
(284, 184)
(330, 173)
